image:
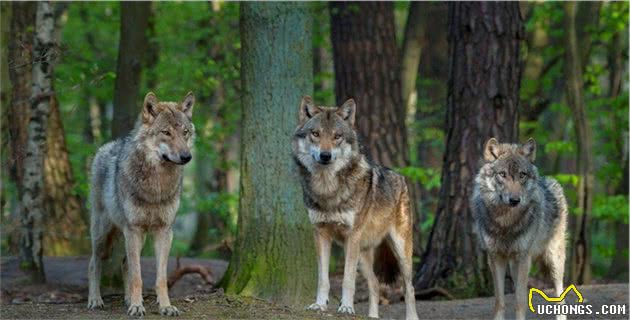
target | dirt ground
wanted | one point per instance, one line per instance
(64, 297)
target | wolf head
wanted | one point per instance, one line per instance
(508, 174)
(325, 137)
(166, 128)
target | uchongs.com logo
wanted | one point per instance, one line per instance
(558, 307)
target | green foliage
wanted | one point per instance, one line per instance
(611, 208)
(429, 178)
(607, 114)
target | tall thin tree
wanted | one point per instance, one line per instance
(42, 95)
(483, 100)
(581, 255)
(274, 254)
(132, 54)
(20, 58)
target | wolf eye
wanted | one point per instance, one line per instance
(315, 134)
(186, 132)
(166, 133)
(523, 175)
(337, 136)
(503, 174)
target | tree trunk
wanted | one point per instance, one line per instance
(20, 52)
(42, 96)
(134, 22)
(134, 43)
(66, 226)
(619, 265)
(580, 257)
(20, 73)
(367, 69)
(413, 42)
(274, 255)
(483, 100)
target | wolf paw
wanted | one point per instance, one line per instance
(136, 310)
(170, 311)
(317, 307)
(345, 309)
(95, 303)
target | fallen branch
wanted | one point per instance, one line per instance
(427, 294)
(180, 271)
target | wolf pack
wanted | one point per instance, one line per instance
(519, 216)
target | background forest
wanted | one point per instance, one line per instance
(559, 75)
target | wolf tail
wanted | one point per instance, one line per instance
(385, 264)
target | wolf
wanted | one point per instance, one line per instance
(136, 184)
(350, 200)
(519, 216)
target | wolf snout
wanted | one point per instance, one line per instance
(514, 201)
(184, 157)
(325, 157)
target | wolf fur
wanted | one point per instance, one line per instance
(519, 216)
(352, 201)
(136, 184)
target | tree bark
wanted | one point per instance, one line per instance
(20, 52)
(367, 69)
(483, 101)
(581, 252)
(42, 96)
(274, 255)
(20, 73)
(134, 23)
(66, 225)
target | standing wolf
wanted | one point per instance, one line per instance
(519, 216)
(363, 206)
(135, 189)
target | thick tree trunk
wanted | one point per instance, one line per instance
(42, 96)
(66, 226)
(581, 255)
(483, 100)
(132, 50)
(274, 255)
(134, 22)
(367, 69)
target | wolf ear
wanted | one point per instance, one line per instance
(528, 150)
(347, 111)
(187, 104)
(150, 108)
(308, 109)
(491, 151)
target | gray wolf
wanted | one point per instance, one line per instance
(519, 216)
(136, 185)
(362, 206)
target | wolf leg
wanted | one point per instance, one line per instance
(352, 248)
(134, 239)
(163, 239)
(403, 250)
(101, 232)
(522, 265)
(366, 265)
(127, 281)
(323, 244)
(497, 266)
(554, 258)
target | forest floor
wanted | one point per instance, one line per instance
(64, 297)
